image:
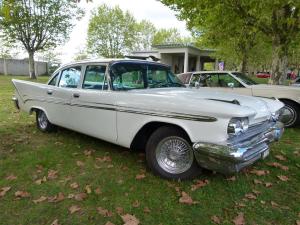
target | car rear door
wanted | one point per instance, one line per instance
(93, 109)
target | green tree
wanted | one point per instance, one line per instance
(111, 32)
(277, 20)
(37, 24)
(163, 36)
(145, 35)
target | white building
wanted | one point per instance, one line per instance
(181, 57)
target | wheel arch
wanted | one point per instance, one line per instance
(289, 100)
(141, 137)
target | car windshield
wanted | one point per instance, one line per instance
(133, 75)
(247, 80)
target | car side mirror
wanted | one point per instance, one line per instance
(231, 85)
(197, 84)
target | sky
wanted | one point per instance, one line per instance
(154, 11)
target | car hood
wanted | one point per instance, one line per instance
(187, 100)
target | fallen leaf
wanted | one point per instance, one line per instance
(104, 212)
(240, 204)
(22, 194)
(239, 220)
(274, 204)
(11, 177)
(74, 185)
(40, 181)
(98, 191)
(262, 202)
(259, 172)
(40, 168)
(52, 174)
(147, 210)
(55, 222)
(80, 196)
(79, 163)
(40, 199)
(119, 210)
(136, 204)
(256, 192)
(233, 178)
(283, 178)
(74, 208)
(130, 219)
(250, 196)
(88, 189)
(56, 198)
(216, 219)
(280, 157)
(199, 184)
(140, 176)
(104, 159)
(278, 165)
(186, 199)
(296, 153)
(268, 184)
(110, 166)
(3, 191)
(87, 152)
(257, 181)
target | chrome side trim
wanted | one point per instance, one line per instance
(140, 111)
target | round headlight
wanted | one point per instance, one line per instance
(237, 126)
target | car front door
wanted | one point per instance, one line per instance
(93, 110)
(223, 82)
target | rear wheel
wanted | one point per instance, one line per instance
(291, 114)
(170, 155)
(43, 123)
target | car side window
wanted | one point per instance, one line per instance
(54, 80)
(195, 78)
(70, 77)
(94, 78)
(225, 80)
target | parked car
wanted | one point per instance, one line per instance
(141, 104)
(235, 82)
(263, 75)
(296, 82)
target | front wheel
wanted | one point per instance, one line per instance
(170, 155)
(290, 116)
(43, 123)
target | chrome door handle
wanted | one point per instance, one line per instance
(76, 95)
(49, 92)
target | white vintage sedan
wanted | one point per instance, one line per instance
(238, 83)
(141, 104)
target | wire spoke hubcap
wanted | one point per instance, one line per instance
(43, 121)
(174, 155)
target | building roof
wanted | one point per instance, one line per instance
(180, 45)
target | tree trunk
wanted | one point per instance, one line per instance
(244, 63)
(31, 66)
(279, 62)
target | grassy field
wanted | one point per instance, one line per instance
(43, 177)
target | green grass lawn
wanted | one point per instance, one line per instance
(106, 174)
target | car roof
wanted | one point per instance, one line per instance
(111, 60)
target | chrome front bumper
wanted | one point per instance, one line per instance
(240, 151)
(16, 102)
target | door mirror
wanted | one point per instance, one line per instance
(197, 84)
(231, 85)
